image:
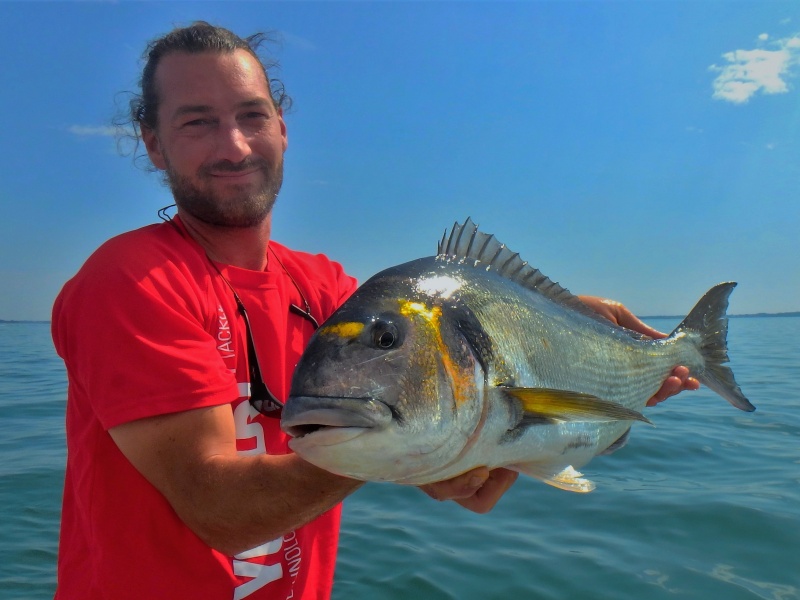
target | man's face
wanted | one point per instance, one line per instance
(219, 138)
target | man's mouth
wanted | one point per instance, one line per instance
(234, 174)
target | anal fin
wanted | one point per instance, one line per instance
(567, 479)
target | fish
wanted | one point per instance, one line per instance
(473, 358)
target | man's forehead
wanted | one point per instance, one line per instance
(210, 81)
(200, 68)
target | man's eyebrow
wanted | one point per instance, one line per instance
(191, 109)
(255, 102)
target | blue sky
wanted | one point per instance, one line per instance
(639, 150)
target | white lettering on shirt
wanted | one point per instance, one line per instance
(292, 554)
(224, 336)
(264, 574)
(261, 574)
(248, 431)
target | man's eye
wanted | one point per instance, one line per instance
(198, 123)
(255, 116)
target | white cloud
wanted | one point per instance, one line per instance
(88, 130)
(759, 70)
(297, 41)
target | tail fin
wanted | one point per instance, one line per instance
(708, 319)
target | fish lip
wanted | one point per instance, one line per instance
(308, 415)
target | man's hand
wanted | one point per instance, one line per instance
(477, 490)
(615, 312)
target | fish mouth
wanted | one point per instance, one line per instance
(332, 420)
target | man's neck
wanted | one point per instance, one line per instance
(244, 247)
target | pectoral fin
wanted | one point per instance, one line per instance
(567, 479)
(564, 405)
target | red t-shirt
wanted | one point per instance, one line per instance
(148, 327)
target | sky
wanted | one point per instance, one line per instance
(641, 150)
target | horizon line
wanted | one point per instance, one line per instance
(791, 313)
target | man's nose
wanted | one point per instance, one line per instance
(232, 144)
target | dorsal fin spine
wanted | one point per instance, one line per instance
(458, 239)
(483, 248)
(511, 259)
(521, 266)
(496, 254)
(449, 244)
(472, 237)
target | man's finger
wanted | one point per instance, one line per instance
(461, 486)
(487, 496)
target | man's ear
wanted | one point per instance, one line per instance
(283, 129)
(153, 146)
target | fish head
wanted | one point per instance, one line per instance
(389, 388)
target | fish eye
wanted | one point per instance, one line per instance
(385, 335)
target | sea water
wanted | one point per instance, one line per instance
(704, 505)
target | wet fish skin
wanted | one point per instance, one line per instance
(473, 358)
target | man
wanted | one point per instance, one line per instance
(176, 486)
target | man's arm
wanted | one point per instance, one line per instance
(232, 502)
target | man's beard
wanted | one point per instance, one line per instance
(241, 208)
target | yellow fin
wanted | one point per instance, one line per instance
(567, 479)
(565, 405)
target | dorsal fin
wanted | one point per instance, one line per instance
(469, 246)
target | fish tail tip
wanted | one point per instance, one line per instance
(709, 319)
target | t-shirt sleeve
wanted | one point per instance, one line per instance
(337, 285)
(346, 285)
(136, 339)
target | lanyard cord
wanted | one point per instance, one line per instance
(259, 392)
(306, 314)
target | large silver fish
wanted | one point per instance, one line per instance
(474, 358)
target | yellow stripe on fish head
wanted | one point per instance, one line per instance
(408, 308)
(347, 329)
(461, 379)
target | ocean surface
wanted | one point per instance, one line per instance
(706, 505)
